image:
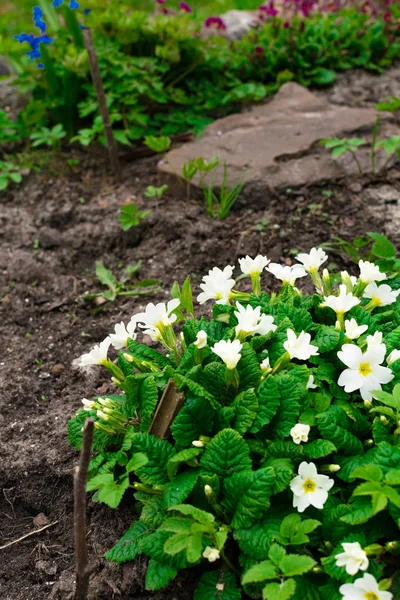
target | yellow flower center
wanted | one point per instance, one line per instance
(218, 296)
(309, 486)
(371, 596)
(377, 302)
(364, 369)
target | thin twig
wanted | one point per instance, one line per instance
(80, 478)
(101, 98)
(34, 532)
(357, 162)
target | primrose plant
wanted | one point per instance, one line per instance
(280, 477)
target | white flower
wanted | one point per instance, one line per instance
(121, 334)
(154, 334)
(88, 404)
(342, 303)
(365, 588)
(217, 285)
(98, 354)
(253, 266)
(310, 385)
(364, 372)
(251, 321)
(353, 558)
(198, 444)
(375, 340)
(380, 296)
(370, 272)
(300, 433)
(285, 273)
(310, 488)
(299, 347)
(158, 315)
(211, 554)
(201, 339)
(353, 330)
(393, 356)
(265, 365)
(313, 260)
(229, 352)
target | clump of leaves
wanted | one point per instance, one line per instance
(9, 173)
(283, 454)
(48, 137)
(219, 203)
(121, 286)
(131, 217)
(155, 192)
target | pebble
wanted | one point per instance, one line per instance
(57, 370)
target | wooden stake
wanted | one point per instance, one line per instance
(101, 98)
(169, 406)
(80, 478)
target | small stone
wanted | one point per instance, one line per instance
(57, 370)
(46, 566)
(355, 186)
(40, 520)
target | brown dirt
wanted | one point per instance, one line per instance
(50, 239)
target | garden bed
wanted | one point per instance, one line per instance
(54, 227)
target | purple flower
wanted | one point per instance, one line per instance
(160, 1)
(38, 19)
(387, 16)
(268, 10)
(286, 25)
(185, 7)
(259, 50)
(56, 3)
(74, 4)
(214, 23)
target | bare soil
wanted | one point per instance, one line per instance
(52, 229)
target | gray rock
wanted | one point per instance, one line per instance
(4, 67)
(275, 144)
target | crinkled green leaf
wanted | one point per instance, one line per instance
(319, 448)
(245, 406)
(279, 591)
(128, 547)
(177, 490)
(225, 455)
(194, 419)
(269, 402)
(158, 575)
(218, 585)
(260, 572)
(158, 452)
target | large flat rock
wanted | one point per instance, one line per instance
(275, 144)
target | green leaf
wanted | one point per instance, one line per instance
(158, 452)
(194, 547)
(333, 425)
(106, 277)
(193, 420)
(245, 406)
(128, 547)
(199, 515)
(289, 411)
(225, 455)
(290, 525)
(184, 456)
(368, 472)
(138, 460)
(279, 591)
(148, 400)
(319, 448)
(328, 338)
(256, 541)
(382, 248)
(276, 553)
(269, 403)
(248, 368)
(217, 585)
(177, 490)
(153, 546)
(112, 494)
(260, 572)
(254, 501)
(158, 575)
(296, 564)
(176, 543)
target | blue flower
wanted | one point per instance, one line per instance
(34, 43)
(56, 3)
(87, 11)
(38, 19)
(74, 4)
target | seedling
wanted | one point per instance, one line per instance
(48, 137)
(155, 192)
(131, 217)
(9, 173)
(220, 204)
(121, 286)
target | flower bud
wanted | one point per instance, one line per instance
(384, 420)
(326, 281)
(128, 357)
(367, 403)
(329, 468)
(393, 547)
(208, 490)
(369, 442)
(374, 550)
(198, 444)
